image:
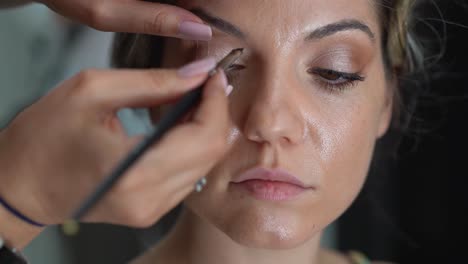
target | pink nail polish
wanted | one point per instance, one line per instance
(197, 67)
(224, 79)
(229, 89)
(194, 31)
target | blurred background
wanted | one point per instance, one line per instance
(411, 209)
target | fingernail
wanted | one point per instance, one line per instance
(197, 67)
(194, 31)
(229, 89)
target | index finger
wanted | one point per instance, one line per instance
(150, 18)
(116, 89)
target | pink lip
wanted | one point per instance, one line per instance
(268, 184)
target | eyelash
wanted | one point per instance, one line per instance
(340, 81)
(231, 71)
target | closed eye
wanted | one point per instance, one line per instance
(335, 80)
(233, 72)
(235, 67)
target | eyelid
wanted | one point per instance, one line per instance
(357, 76)
(343, 81)
(341, 59)
(236, 67)
(335, 52)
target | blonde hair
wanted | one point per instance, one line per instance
(404, 54)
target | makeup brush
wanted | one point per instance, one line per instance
(186, 103)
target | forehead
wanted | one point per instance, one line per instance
(286, 19)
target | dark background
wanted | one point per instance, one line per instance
(413, 207)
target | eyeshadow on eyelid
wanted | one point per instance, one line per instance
(344, 65)
(212, 48)
(339, 62)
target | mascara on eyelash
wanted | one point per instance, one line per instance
(345, 75)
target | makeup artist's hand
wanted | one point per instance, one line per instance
(57, 151)
(134, 16)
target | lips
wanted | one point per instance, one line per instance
(270, 184)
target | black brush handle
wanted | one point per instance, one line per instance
(186, 103)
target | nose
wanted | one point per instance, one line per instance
(274, 116)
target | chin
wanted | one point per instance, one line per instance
(262, 225)
(269, 229)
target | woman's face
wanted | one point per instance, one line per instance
(310, 99)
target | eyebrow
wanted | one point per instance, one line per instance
(343, 25)
(219, 23)
(319, 33)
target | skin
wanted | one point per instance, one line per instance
(283, 116)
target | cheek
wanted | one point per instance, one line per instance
(349, 162)
(350, 140)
